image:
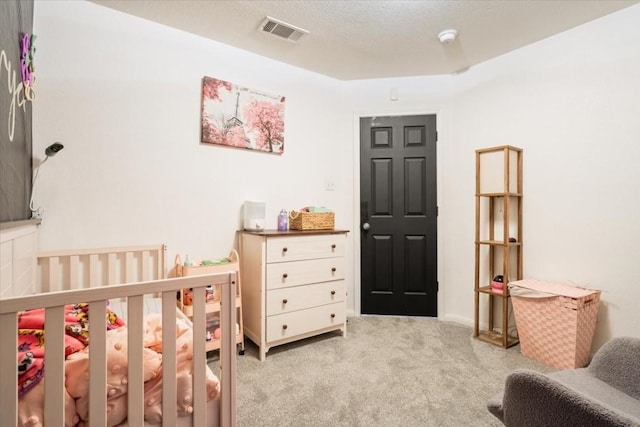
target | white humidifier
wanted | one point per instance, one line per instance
(254, 215)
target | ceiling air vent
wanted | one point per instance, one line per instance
(282, 29)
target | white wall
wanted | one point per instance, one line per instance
(123, 95)
(415, 95)
(572, 102)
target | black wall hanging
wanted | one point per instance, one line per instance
(16, 21)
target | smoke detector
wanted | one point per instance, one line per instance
(447, 36)
(281, 29)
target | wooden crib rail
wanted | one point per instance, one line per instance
(88, 268)
(54, 303)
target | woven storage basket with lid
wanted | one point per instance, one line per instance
(555, 321)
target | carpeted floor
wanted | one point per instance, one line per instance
(388, 371)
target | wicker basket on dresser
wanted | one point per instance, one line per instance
(293, 285)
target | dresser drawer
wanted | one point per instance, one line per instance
(283, 249)
(295, 273)
(287, 325)
(287, 300)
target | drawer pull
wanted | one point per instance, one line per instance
(285, 275)
(284, 249)
(333, 292)
(333, 315)
(284, 301)
(333, 246)
(284, 327)
(333, 269)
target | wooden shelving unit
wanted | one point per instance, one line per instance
(498, 240)
(213, 306)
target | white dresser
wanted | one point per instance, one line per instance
(293, 285)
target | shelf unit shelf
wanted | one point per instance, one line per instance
(498, 243)
(496, 338)
(498, 240)
(213, 307)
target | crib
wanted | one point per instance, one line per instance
(98, 277)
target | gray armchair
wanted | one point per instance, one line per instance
(606, 393)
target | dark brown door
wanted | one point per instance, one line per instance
(398, 215)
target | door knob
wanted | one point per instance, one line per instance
(366, 226)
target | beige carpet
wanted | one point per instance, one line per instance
(388, 371)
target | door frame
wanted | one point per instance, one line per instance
(443, 134)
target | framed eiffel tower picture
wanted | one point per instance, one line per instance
(239, 117)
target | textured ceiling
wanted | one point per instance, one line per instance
(375, 39)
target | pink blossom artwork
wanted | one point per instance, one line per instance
(236, 116)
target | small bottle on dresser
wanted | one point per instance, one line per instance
(283, 220)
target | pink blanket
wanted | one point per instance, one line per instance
(77, 386)
(31, 340)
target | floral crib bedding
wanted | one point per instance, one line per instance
(31, 368)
